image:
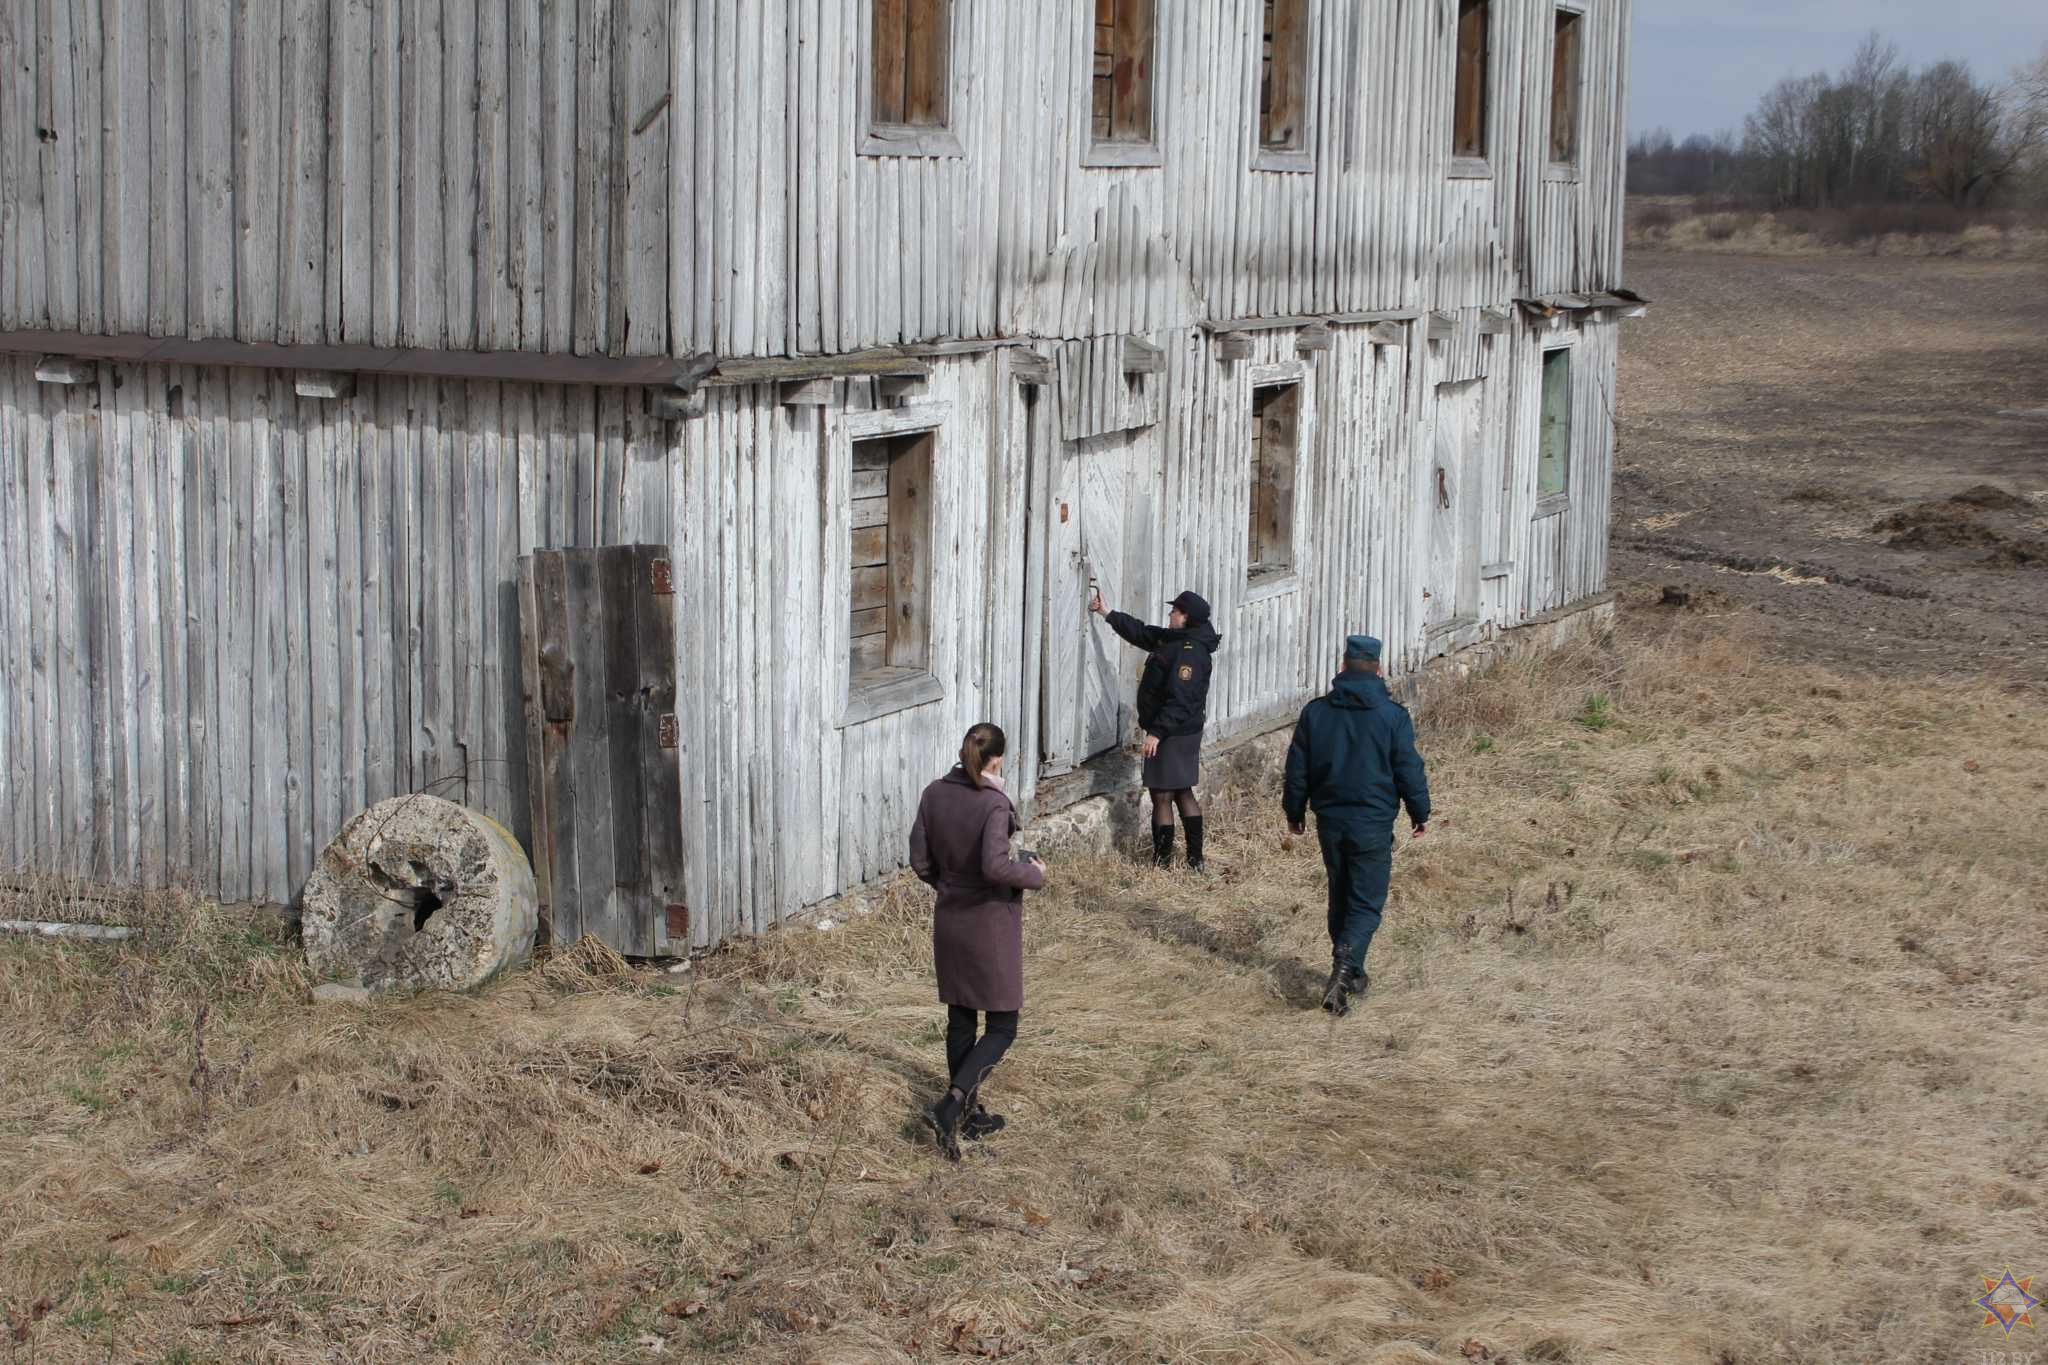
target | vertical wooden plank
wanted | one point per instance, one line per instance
(558, 199)
(497, 299)
(889, 53)
(231, 637)
(116, 459)
(17, 776)
(624, 917)
(210, 171)
(590, 753)
(349, 187)
(597, 144)
(205, 402)
(271, 496)
(659, 779)
(23, 299)
(258, 49)
(422, 269)
(127, 168)
(55, 83)
(302, 208)
(388, 133)
(85, 123)
(640, 312)
(44, 628)
(381, 739)
(526, 59)
(540, 841)
(459, 170)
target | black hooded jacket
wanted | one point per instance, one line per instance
(1173, 692)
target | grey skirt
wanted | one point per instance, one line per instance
(1177, 766)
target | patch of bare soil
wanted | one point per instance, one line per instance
(1854, 448)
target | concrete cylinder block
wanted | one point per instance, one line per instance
(418, 893)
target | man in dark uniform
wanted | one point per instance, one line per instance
(1353, 759)
(1173, 704)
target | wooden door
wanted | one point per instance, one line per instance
(598, 662)
(1087, 697)
(1453, 494)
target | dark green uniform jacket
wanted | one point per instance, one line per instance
(1353, 757)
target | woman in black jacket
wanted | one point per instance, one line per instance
(1173, 705)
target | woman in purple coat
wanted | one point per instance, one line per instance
(960, 846)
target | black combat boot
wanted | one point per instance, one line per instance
(1194, 826)
(944, 1117)
(1162, 845)
(979, 1123)
(1337, 993)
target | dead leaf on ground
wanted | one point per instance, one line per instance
(1474, 1349)
(683, 1308)
(1434, 1280)
(649, 1167)
(1969, 765)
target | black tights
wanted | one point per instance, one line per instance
(969, 1060)
(1165, 803)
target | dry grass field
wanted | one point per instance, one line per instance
(1706, 1027)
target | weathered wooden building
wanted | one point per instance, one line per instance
(895, 322)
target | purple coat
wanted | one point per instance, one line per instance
(960, 845)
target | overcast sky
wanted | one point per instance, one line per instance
(1701, 64)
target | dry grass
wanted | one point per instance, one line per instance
(1703, 1029)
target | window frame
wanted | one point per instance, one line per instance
(1299, 160)
(1551, 504)
(908, 139)
(1124, 152)
(1463, 165)
(857, 705)
(1275, 580)
(1567, 172)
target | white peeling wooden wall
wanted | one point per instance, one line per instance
(235, 616)
(467, 174)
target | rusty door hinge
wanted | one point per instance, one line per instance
(664, 582)
(668, 730)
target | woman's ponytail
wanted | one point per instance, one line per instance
(984, 741)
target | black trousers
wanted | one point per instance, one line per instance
(970, 1059)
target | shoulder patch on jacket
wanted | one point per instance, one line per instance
(1187, 672)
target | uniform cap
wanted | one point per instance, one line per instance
(1191, 605)
(1361, 647)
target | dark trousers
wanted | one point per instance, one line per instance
(970, 1059)
(1359, 859)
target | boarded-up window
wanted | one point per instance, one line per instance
(911, 56)
(1122, 81)
(1475, 19)
(1554, 442)
(1564, 88)
(890, 633)
(1276, 420)
(1283, 76)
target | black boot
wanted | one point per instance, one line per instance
(1162, 845)
(979, 1123)
(944, 1117)
(1337, 993)
(1194, 827)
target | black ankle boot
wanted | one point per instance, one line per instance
(1194, 828)
(1162, 845)
(944, 1118)
(979, 1123)
(1337, 993)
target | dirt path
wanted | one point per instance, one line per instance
(1857, 448)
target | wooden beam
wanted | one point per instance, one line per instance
(1387, 334)
(807, 393)
(1142, 357)
(1493, 321)
(1442, 325)
(1233, 346)
(64, 369)
(324, 384)
(530, 366)
(769, 370)
(1314, 337)
(896, 388)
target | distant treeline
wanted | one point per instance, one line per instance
(1877, 132)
